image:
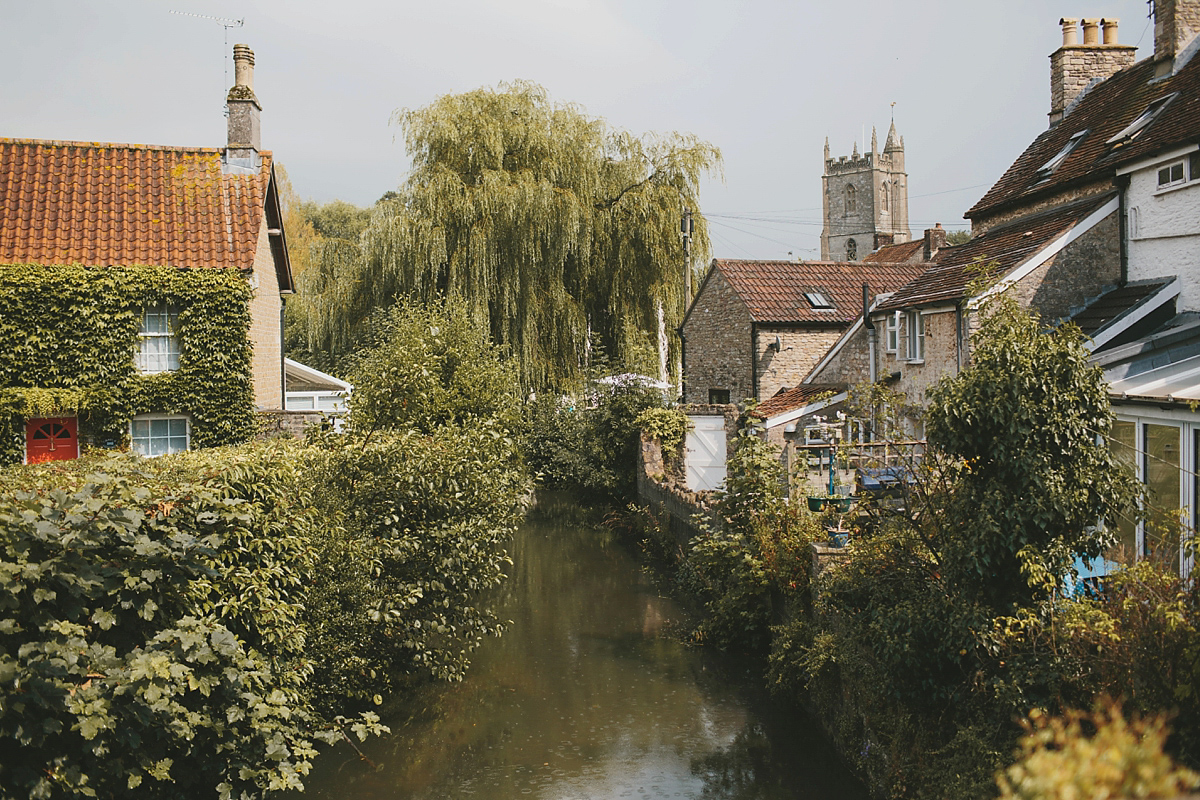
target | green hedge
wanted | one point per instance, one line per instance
(69, 337)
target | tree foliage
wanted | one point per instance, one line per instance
(1026, 421)
(557, 231)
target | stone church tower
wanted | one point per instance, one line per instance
(865, 200)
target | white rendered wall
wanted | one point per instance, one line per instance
(1164, 232)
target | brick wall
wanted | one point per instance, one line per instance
(266, 365)
(717, 335)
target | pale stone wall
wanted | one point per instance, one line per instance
(1164, 233)
(941, 357)
(1081, 271)
(266, 337)
(800, 350)
(986, 222)
(852, 365)
(1073, 67)
(717, 336)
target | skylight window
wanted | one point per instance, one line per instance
(818, 299)
(1143, 121)
(1050, 166)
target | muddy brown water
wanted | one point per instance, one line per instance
(590, 693)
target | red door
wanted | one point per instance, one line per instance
(51, 439)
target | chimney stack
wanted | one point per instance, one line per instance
(935, 239)
(1074, 66)
(243, 108)
(1176, 24)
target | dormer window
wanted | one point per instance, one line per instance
(1143, 121)
(1050, 166)
(818, 300)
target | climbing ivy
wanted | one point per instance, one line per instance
(68, 339)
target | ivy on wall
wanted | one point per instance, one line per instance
(68, 345)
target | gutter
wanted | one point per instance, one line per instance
(753, 359)
(872, 334)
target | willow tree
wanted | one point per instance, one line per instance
(560, 234)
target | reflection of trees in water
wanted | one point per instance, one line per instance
(743, 770)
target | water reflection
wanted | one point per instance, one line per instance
(590, 695)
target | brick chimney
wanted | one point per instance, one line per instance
(1074, 66)
(1176, 23)
(935, 239)
(244, 109)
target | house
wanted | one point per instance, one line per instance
(1096, 221)
(143, 289)
(756, 327)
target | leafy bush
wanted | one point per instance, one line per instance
(149, 635)
(1096, 755)
(592, 449)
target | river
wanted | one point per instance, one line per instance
(591, 694)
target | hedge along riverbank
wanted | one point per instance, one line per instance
(946, 625)
(194, 625)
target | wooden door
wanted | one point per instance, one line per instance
(51, 439)
(706, 453)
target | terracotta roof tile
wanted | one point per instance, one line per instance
(902, 253)
(1004, 248)
(797, 397)
(774, 290)
(1104, 112)
(103, 204)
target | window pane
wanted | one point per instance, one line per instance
(1162, 484)
(1123, 442)
(300, 403)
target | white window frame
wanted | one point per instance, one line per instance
(1182, 164)
(187, 435)
(148, 359)
(915, 337)
(891, 333)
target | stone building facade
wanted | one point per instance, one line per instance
(864, 200)
(757, 327)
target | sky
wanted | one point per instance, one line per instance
(764, 81)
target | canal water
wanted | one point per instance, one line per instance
(591, 694)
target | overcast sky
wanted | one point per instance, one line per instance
(765, 81)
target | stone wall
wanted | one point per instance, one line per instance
(717, 341)
(288, 424)
(852, 364)
(668, 495)
(1081, 271)
(800, 350)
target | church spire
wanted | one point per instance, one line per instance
(894, 142)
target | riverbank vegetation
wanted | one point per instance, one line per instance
(195, 625)
(944, 625)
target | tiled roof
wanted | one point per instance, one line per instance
(903, 253)
(1104, 112)
(773, 291)
(102, 204)
(786, 400)
(1003, 248)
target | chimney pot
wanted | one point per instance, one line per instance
(243, 66)
(1110, 29)
(1070, 30)
(1091, 30)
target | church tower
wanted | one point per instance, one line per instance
(864, 200)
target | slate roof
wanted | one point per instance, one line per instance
(1104, 111)
(773, 291)
(1111, 305)
(101, 204)
(786, 400)
(1004, 247)
(903, 253)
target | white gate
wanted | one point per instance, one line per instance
(706, 453)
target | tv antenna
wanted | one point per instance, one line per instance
(226, 24)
